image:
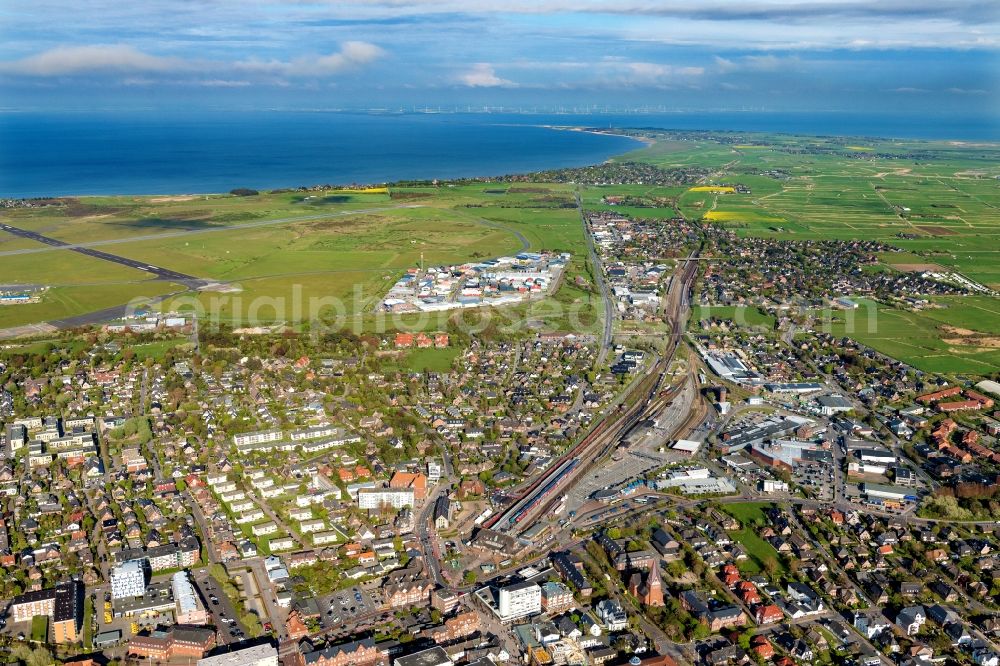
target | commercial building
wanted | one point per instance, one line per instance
(556, 597)
(256, 655)
(435, 656)
(355, 653)
(888, 492)
(177, 642)
(189, 607)
(833, 404)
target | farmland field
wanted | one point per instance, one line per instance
(937, 202)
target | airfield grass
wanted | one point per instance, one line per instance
(69, 301)
(64, 267)
(9, 243)
(87, 219)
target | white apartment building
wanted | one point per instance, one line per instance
(376, 498)
(128, 579)
(518, 600)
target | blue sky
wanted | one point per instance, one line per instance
(914, 56)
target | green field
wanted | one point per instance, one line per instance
(739, 314)
(923, 339)
(748, 513)
(295, 256)
(335, 253)
(758, 551)
(938, 200)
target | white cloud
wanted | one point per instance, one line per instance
(757, 63)
(122, 58)
(63, 60)
(652, 74)
(223, 83)
(482, 75)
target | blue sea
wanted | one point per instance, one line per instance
(165, 153)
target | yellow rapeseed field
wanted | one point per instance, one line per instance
(712, 188)
(364, 190)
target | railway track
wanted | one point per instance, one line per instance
(651, 398)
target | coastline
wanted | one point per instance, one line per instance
(645, 140)
(199, 155)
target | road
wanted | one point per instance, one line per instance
(428, 536)
(278, 520)
(602, 285)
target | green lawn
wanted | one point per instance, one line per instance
(748, 513)
(738, 314)
(432, 360)
(758, 550)
(40, 628)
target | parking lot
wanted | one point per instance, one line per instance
(346, 607)
(818, 478)
(224, 615)
(631, 466)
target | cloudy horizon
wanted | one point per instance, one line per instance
(920, 57)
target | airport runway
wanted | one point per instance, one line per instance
(161, 273)
(59, 245)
